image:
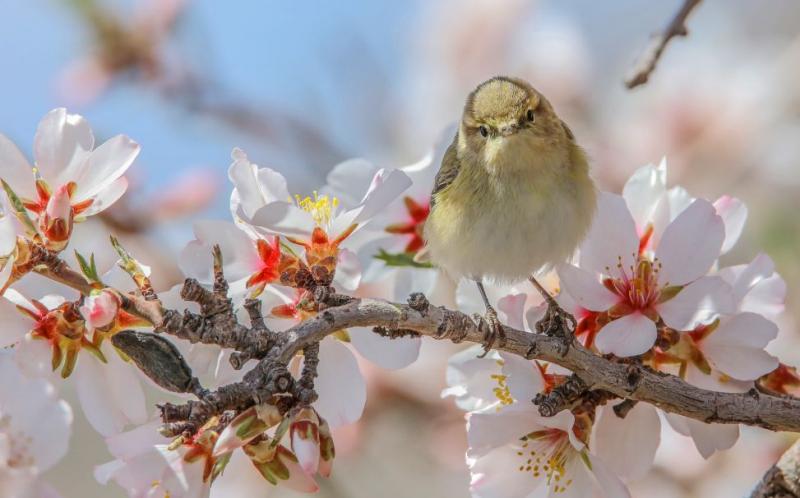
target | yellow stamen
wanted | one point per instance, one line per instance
(321, 207)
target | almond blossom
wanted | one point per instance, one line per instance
(629, 288)
(35, 429)
(70, 179)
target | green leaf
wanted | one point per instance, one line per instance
(19, 209)
(400, 259)
(89, 268)
(128, 264)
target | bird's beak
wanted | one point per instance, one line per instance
(508, 130)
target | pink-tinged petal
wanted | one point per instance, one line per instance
(9, 228)
(386, 186)
(340, 385)
(708, 438)
(123, 381)
(628, 445)
(586, 289)
(698, 303)
(97, 396)
(126, 445)
(105, 165)
(630, 335)
(716, 381)
(349, 180)
(298, 479)
(83, 80)
(489, 430)
(610, 485)
(513, 307)
(348, 270)
(106, 197)
(61, 146)
(679, 199)
(744, 278)
(239, 255)
(690, 244)
(307, 453)
(523, 378)
(734, 215)
(98, 310)
(15, 324)
(385, 352)
(254, 187)
(767, 298)
(565, 421)
(643, 191)
(736, 347)
(611, 237)
(283, 218)
(15, 170)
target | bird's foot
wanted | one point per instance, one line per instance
(492, 330)
(558, 323)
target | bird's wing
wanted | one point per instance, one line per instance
(448, 171)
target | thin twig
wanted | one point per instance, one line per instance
(646, 64)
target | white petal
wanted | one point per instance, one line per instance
(105, 164)
(523, 378)
(283, 218)
(690, 244)
(15, 324)
(15, 170)
(61, 146)
(99, 397)
(630, 335)
(767, 298)
(385, 352)
(124, 384)
(610, 485)
(470, 378)
(643, 190)
(697, 303)
(612, 236)
(585, 289)
(254, 187)
(737, 347)
(348, 270)
(307, 453)
(513, 307)
(734, 215)
(349, 180)
(679, 200)
(386, 186)
(340, 385)
(494, 475)
(108, 196)
(628, 446)
(489, 430)
(239, 255)
(708, 438)
(746, 279)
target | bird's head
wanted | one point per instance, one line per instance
(505, 119)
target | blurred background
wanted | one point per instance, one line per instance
(303, 85)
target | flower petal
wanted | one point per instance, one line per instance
(630, 335)
(611, 237)
(489, 430)
(239, 256)
(108, 196)
(736, 347)
(15, 170)
(643, 190)
(340, 385)
(61, 146)
(105, 165)
(734, 215)
(628, 445)
(254, 187)
(470, 378)
(690, 244)
(698, 303)
(523, 379)
(348, 270)
(494, 476)
(15, 324)
(708, 438)
(349, 180)
(513, 307)
(386, 186)
(585, 289)
(610, 485)
(385, 352)
(282, 218)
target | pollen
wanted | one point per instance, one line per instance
(321, 207)
(502, 391)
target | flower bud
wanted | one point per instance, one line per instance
(99, 309)
(57, 220)
(278, 465)
(305, 440)
(246, 426)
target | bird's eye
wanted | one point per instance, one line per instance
(531, 116)
(484, 131)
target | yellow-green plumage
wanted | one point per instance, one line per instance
(513, 201)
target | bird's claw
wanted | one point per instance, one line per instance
(558, 323)
(492, 331)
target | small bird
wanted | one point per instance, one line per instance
(512, 196)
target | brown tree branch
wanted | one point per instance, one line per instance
(647, 62)
(668, 392)
(782, 480)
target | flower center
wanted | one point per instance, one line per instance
(545, 455)
(637, 285)
(321, 207)
(417, 214)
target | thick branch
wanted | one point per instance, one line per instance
(668, 392)
(782, 480)
(646, 64)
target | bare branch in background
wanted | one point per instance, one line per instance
(646, 64)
